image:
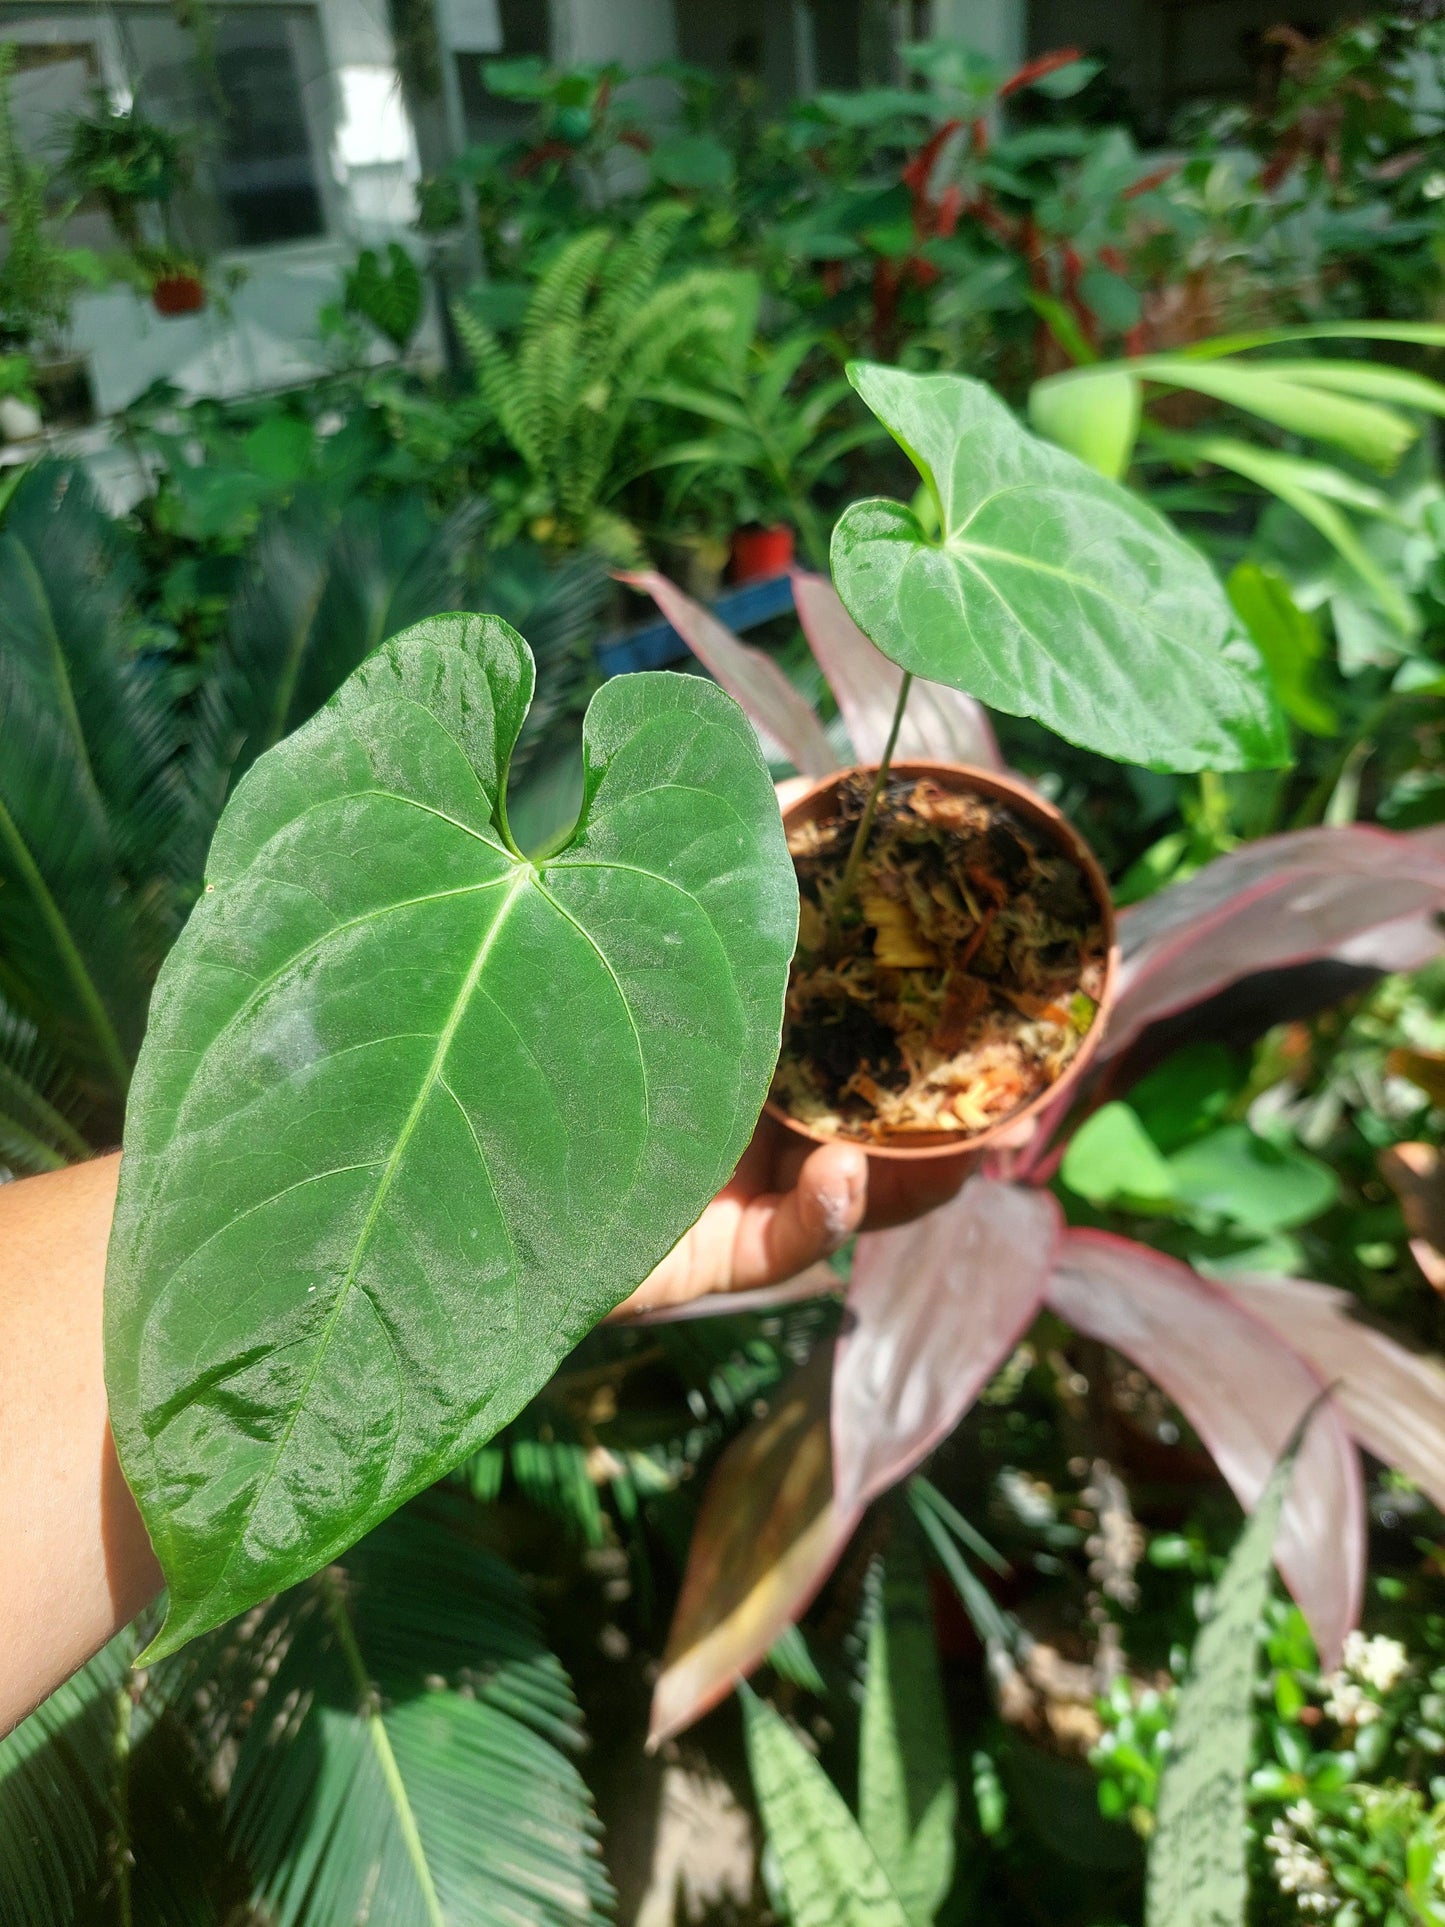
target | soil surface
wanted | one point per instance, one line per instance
(963, 978)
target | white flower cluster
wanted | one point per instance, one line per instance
(1378, 1663)
(1298, 1869)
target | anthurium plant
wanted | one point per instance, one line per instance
(415, 1111)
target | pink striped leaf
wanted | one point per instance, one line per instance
(1355, 893)
(1244, 1387)
(753, 680)
(934, 1309)
(939, 724)
(1391, 1398)
(767, 1535)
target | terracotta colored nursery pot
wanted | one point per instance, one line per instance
(964, 1150)
(175, 294)
(759, 552)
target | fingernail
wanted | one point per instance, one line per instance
(840, 1207)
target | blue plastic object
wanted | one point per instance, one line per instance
(657, 643)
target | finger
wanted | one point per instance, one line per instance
(901, 1189)
(781, 1233)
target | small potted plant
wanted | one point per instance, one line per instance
(127, 161)
(956, 943)
(177, 282)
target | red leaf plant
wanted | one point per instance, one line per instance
(1269, 932)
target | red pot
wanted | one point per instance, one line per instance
(178, 294)
(953, 1152)
(759, 552)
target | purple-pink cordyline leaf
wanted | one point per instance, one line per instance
(1243, 1387)
(767, 1535)
(940, 724)
(753, 680)
(1285, 900)
(1392, 1399)
(934, 1308)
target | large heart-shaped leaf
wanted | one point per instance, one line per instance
(414, 1113)
(1049, 591)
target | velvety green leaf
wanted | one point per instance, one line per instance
(1093, 414)
(413, 1113)
(1288, 638)
(1050, 591)
(1197, 1867)
(831, 1875)
(907, 1794)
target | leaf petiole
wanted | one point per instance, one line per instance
(849, 882)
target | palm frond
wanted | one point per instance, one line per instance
(409, 1759)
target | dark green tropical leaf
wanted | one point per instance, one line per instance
(1049, 591)
(413, 1113)
(389, 297)
(415, 1768)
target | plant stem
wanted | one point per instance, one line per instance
(849, 883)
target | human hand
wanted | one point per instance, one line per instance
(789, 1204)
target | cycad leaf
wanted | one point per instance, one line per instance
(831, 1875)
(907, 1796)
(54, 1794)
(415, 1767)
(87, 803)
(1198, 1875)
(1049, 591)
(414, 1113)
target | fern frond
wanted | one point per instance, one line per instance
(631, 269)
(496, 379)
(563, 288)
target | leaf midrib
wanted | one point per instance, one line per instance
(413, 1118)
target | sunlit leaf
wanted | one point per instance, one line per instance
(1093, 413)
(767, 1535)
(413, 1113)
(1243, 1390)
(1050, 591)
(1111, 1159)
(1258, 1186)
(1289, 640)
(1392, 1399)
(1284, 900)
(934, 1309)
